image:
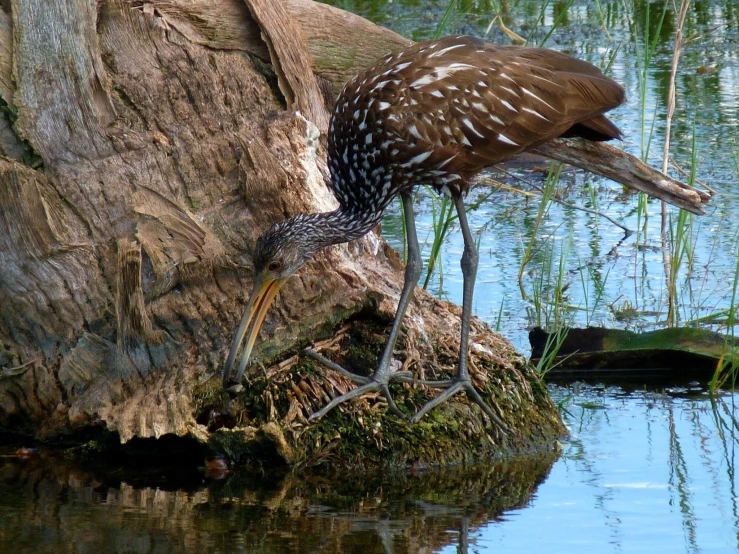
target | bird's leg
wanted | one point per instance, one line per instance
(384, 373)
(462, 382)
(413, 267)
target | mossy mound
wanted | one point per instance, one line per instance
(267, 423)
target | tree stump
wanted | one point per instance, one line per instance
(144, 146)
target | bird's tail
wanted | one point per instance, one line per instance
(598, 128)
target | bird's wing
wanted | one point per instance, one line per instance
(483, 103)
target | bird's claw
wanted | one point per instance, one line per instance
(370, 384)
(367, 385)
(364, 389)
(359, 379)
(453, 386)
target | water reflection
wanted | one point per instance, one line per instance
(50, 503)
(643, 471)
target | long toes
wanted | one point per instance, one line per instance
(359, 391)
(368, 384)
(473, 395)
(392, 406)
(359, 379)
(431, 404)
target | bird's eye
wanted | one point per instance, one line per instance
(275, 266)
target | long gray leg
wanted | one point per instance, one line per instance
(384, 374)
(462, 381)
(413, 267)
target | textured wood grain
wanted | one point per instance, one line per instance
(11, 145)
(44, 247)
(339, 43)
(7, 87)
(63, 90)
(290, 60)
(133, 321)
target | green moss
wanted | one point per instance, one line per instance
(362, 433)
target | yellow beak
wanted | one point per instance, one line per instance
(259, 302)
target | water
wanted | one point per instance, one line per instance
(643, 470)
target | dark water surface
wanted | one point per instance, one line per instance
(641, 472)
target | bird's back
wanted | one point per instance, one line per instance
(440, 111)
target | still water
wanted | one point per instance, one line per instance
(643, 470)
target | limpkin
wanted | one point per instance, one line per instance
(436, 113)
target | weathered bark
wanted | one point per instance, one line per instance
(338, 42)
(149, 146)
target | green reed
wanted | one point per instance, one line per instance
(727, 370)
(545, 203)
(646, 44)
(551, 308)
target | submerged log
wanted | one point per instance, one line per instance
(145, 147)
(670, 355)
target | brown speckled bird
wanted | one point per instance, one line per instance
(435, 113)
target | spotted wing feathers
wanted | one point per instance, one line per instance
(440, 111)
(493, 102)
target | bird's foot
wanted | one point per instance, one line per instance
(453, 386)
(378, 382)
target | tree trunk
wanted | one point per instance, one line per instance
(145, 145)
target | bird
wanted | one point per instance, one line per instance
(435, 113)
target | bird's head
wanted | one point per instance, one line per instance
(282, 250)
(279, 253)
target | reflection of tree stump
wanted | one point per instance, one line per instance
(144, 147)
(92, 507)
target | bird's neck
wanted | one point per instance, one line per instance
(341, 226)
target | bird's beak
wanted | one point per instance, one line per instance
(259, 302)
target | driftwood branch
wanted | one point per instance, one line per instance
(608, 161)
